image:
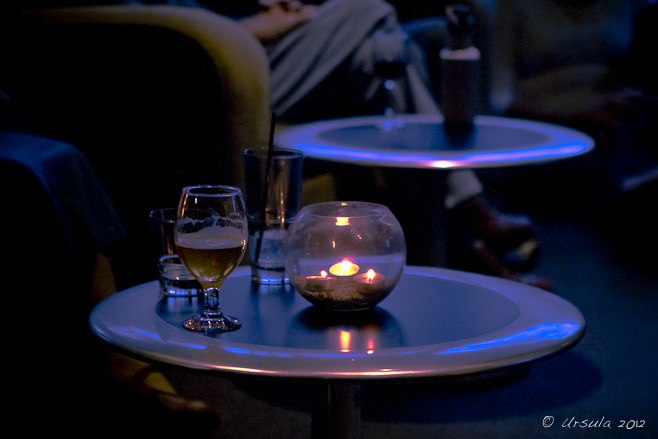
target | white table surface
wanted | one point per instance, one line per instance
(437, 322)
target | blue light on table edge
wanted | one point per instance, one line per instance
(535, 334)
(543, 153)
(545, 331)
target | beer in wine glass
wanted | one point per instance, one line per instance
(211, 236)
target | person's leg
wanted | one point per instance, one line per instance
(306, 56)
(462, 186)
(334, 52)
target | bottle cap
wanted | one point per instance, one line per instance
(461, 25)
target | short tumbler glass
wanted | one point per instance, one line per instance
(174, 278)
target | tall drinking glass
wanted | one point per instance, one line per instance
(211, 236)
(390, 52)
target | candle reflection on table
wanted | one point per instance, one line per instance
(367, 338)
(345, 341)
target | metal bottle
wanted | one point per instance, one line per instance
(460, 71)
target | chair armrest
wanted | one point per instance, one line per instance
(157, 97)
(238, 56)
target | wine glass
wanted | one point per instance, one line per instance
(390, 54)
(211, 236)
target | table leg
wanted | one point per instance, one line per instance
(415, 196)
(337, 411)
(417, 199)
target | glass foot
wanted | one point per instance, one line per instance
(222, 323)
(391, 124)
(263, 276)
(390, 121)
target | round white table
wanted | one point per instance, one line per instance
(413, 156)
(422, 142)
(436, 323)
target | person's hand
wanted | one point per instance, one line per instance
(277, 17)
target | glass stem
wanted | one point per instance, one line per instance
(389, 84)
(211, 296)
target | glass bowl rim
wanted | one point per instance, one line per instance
(371, 209)
(278, 153)
(226, 191)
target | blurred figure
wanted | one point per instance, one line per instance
(322, 56)
(562, 61)
(322, 66)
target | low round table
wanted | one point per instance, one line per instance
(422, 142)
(414, 155)
(436, 323)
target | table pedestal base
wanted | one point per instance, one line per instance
(337, 411)
(417, 199)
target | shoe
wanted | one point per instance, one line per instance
(510, 237)
(485, 261)
(503, 232)
(523, 258)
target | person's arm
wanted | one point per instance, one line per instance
(277, 17)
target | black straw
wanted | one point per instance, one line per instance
(266, 186)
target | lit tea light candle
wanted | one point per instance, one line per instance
(370, 280)
(344, 270)
(322, 282)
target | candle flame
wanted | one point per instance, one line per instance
(345, 266)
(342, 221)
(323, 273)
(371, 275)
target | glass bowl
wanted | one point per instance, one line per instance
(345, 256)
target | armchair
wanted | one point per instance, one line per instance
(149, 99)
(156, 97)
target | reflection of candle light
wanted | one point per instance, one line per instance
(322, 282)
(345, 341)
(342, 221)
(371, 346)
(344, 268)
